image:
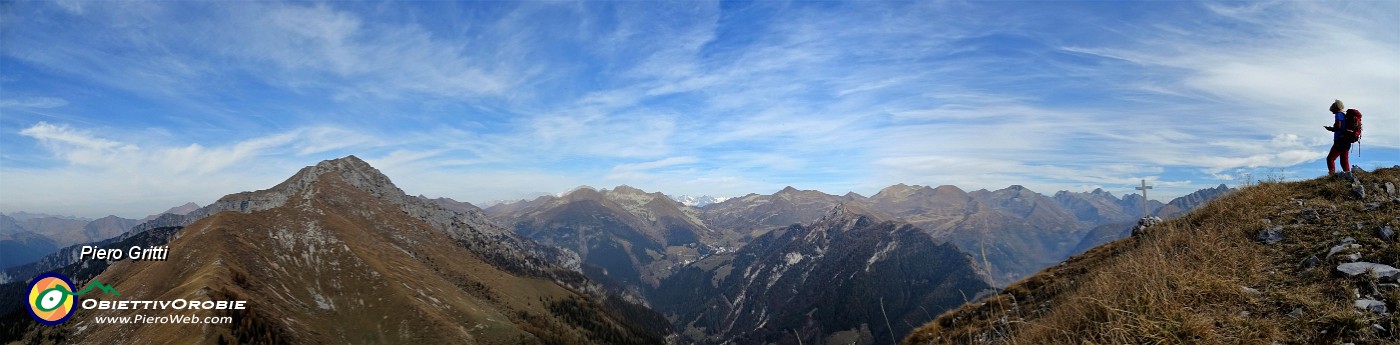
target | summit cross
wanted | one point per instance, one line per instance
(1144, 189)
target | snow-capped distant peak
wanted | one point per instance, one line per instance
(698, 201)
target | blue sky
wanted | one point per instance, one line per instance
(129, 108)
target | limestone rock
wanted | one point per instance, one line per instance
(1374, 306)
(1144, 223)
(1347, 176)
(1271, 235)
(1383, 272)
(1386, 233)
(1340, 248)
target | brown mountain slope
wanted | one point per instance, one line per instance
(1207, 278)
(337, 262)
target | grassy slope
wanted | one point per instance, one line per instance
(1185, 281)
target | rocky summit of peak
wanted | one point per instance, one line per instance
(949, 189)
(896, 191)
(851, 213)
(351, 169)
(625, 189)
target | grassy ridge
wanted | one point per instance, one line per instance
(1204, 278)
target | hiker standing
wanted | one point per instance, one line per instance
(1340, 145)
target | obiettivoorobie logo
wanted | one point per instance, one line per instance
(51, 297)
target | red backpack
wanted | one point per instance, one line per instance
(1351, 126)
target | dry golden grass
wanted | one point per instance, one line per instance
(1204, 279)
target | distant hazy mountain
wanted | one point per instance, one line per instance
(23, 216)
(177, 210)
(28, 240)
(1185, 203)
(18, 246)
(1132, 205)
(753, 214)
(1114, 229)
(108, 227)
(830, 282)
(629, 235)
(338, 254)
(71, 230)
(9, 226)
(63, 231)
(1097, 207)
(454, 205)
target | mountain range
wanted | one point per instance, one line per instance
(1013, 231)
(337, 253)
(26, 237)
(731, 270)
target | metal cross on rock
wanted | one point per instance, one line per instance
(1144, 189)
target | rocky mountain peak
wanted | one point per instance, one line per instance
(177, 210)
(581, 194)
(183, 209)
(897, 191)
(1017, 188)
(351, 169)
(625, 189)
(631, 195)
(949, 190)
(849, 216)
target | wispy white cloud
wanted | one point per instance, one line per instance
(663, 163)
(139, 179)
(1277, 65)
(33, 102)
